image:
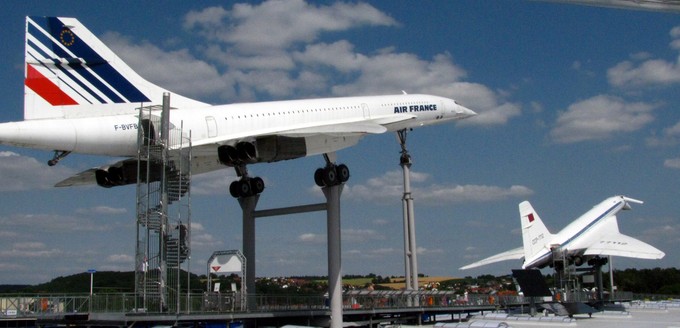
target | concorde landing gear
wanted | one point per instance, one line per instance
(331, 174)
(246, 187)
(58, 155)
(331, 179)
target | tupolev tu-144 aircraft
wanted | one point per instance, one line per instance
(593, 234)
(80, 97)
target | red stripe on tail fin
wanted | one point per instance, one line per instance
(46, 88)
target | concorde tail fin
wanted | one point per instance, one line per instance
(71, 73)
(535, 235)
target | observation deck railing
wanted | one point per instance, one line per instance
(45, 305)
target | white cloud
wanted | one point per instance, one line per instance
(600, 117)
(349, 236)
(212, 183)
(653, 71)
(30, 250)
(675, 35)
(356, 236)
(429, 251)
(273, 50)
(668, 234)
(387, 72)
(381, 222)
(372, 253)
(52, 222)
(643, 71)
(389, 186)
(8, 234)
(669, 137)
(177, 70)
(339, 55)
(211, 16)
(312, 238)
(101, 210)
(202, 239)
(12, 267)
(120, 258)
(29, 245)
(672, 163)
(19, 173)
(256, 29)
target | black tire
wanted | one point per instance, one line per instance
(257, 184)
(318, 177)
(244, 188)
(342, 172)
(330, 177)
(234, 189)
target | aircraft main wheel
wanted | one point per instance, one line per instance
(342, 173)
(240, 188)
(330, 177)
(318, 177)
(234, 189)
(245, 189)
(257, 185)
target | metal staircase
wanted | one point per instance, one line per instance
(163, 211)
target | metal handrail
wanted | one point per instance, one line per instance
(53, 304)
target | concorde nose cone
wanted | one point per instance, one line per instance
(466, 112)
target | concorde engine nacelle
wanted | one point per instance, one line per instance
(577, 260)
(263, 149)
(125, 173)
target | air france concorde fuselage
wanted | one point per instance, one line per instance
(81, 97)
(325, 119)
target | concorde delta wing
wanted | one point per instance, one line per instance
(84, 178)
(345, 127)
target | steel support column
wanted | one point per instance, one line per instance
(248, 205)
(410, 249)
(332, 194)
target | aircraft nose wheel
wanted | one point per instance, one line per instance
(246, 187)
(331, 175)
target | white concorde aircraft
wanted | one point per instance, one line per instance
(593, 234)
(81, 97)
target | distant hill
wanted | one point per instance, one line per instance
(400, 282)
(651, 281)
(6, 289)
(103, 282)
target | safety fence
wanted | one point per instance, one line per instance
(37, 305)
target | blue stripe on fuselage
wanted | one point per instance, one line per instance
(581, 232)
(590, 225)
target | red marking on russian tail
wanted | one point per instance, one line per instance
(216, 268)
(531, 217)
(46, 88)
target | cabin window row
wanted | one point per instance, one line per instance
(292, 112)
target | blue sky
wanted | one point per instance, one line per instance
(575, 104)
